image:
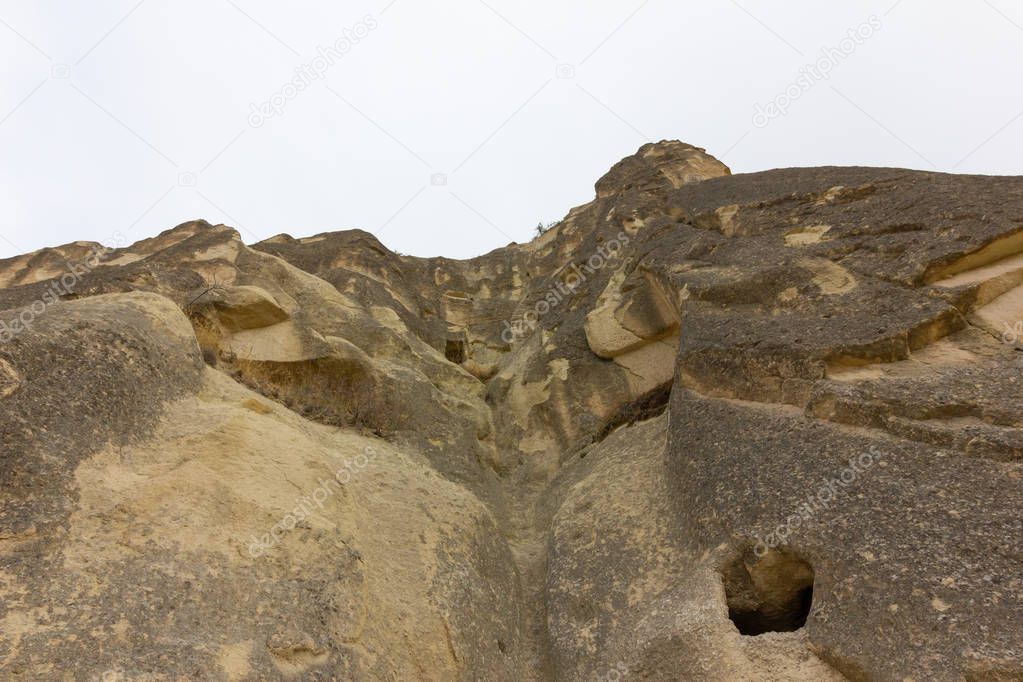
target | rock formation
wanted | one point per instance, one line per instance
(707, 427)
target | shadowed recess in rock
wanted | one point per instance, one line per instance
(774, 594)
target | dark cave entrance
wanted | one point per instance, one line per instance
(772, 594)
(454, 351)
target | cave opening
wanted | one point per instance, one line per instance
(454, 351)
(771, 594)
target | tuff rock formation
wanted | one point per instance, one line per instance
(708, 427)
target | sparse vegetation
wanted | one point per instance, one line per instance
(542, 229)
(209, 288)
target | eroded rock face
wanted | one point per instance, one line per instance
(707, 427)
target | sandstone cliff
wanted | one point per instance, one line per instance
(707, 427)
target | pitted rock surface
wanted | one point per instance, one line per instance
(707, 427)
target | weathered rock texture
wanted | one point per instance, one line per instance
(708, 427)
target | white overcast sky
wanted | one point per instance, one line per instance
(120, 115)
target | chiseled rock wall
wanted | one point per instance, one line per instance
(708, 427)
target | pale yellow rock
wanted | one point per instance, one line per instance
(805, 236)
(241, 308)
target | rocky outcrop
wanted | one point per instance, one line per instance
(708, 427)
